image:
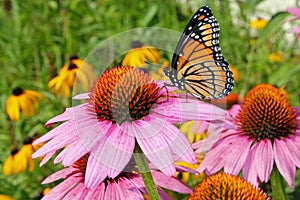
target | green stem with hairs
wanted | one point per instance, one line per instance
(278, 185)
(145, 172)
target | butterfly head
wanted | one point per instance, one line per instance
(167, 71)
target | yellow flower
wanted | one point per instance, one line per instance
(138, 55)
(193, 131)
(276, 57)
(5, 197)
(19, 160)
(236, 73)
(22, 100)
(258, 23)
(75, 69)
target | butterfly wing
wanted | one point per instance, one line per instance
(198, 60)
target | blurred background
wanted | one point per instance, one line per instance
(37, 39)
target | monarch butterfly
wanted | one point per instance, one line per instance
(198, 66)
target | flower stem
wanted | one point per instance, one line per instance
(144, 169)
(277, 184)
(12, 135)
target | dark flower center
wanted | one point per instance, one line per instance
(123, 94)
(136, 44)
(14, 152)
(266, 114)
(28, 140)
(18, 91)
(225, 186)
(72, 66)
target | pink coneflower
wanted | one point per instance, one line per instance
(266, 130)
(296, 13)
(123, 109)
(127, 185)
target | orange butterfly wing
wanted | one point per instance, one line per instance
(198, 65)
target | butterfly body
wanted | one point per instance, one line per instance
(198, 66)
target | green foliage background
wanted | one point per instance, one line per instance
(37, 37)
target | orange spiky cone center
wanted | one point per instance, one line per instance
(266, 114)
(124, 94)
(225, 186)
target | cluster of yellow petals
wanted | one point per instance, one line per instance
(146, 57)
(19, 161)
(75, 69)
(25, 101)
(138, 55)
(258, 23)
